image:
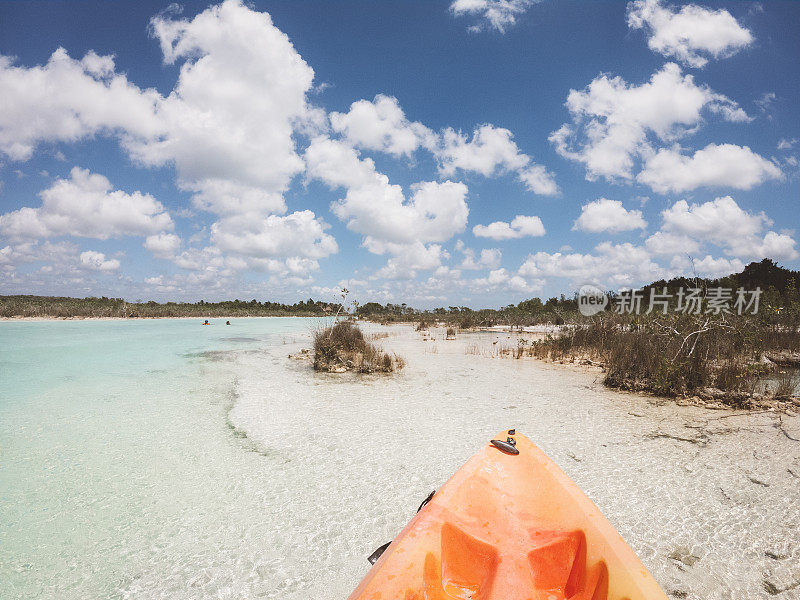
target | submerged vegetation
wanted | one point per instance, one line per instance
(343, 347)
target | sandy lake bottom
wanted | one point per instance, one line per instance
(167, 460)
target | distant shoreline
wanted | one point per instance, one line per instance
(200, 318)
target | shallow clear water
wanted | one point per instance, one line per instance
(117, 463)
(163, 459)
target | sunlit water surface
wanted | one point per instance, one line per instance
(164, 459)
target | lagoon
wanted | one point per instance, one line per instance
(164, 459)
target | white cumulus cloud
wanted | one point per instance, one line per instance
(67, 100)
(608, 215)
(404, 228)
(718, 220)
(408, 259)
(86, 205)
(373, 207)
(300, 234)
(162, 245)
(669, 242)
(227, 126)
(381, 125)
(692, 34)
(716, 165)
(490, 151)
(494, 14)
(613, 265)
(708, 266)
(489, 258)
(722, 222)
(520, 226)
(615, 123)
(97, 261)
(228, 123)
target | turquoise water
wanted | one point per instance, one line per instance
(115, 452)
(160, 459)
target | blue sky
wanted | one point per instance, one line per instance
(436, 153)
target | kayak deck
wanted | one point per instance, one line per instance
(509, 527)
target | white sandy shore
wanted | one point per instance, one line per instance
(183, 462)
(707, 498)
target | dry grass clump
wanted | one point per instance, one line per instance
(504, 351)
(451, 333)
(343, 347)
(676, 355)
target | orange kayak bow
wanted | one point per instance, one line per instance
(509, 525)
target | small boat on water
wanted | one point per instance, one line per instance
(509, 525)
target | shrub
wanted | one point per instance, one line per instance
(675, 354)
(466, 323)
(343, 347)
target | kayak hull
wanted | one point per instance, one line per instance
(509, 527)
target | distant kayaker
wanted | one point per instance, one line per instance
(206, 322)
(227, 322)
